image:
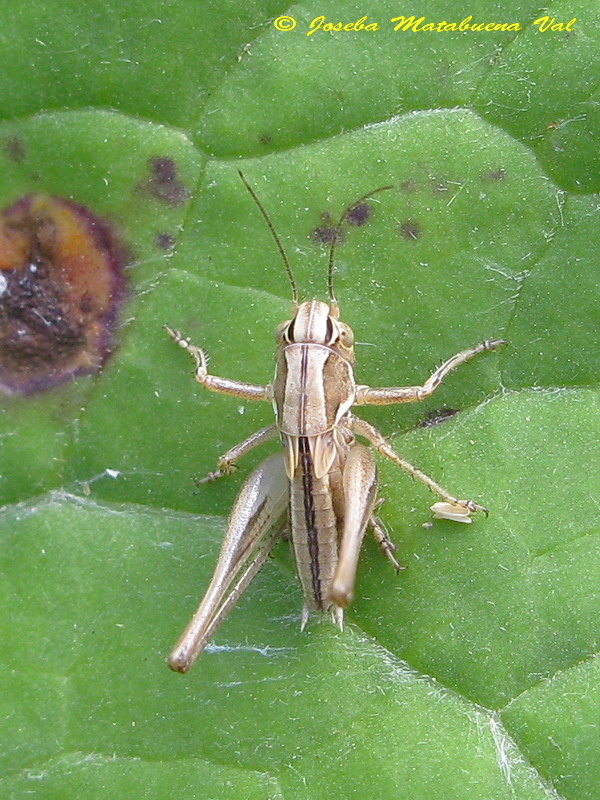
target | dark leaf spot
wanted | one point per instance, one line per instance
(14, 148)
(359, 214)
(324, 235)
(163, 183)
(264, 138)
(410, 230)
(165, 241)
(163, 169)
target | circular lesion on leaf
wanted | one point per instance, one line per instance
(163, 183)
(164, 240)
(61, 284)
(359, 214)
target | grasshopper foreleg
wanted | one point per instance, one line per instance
(246, 391)
(367, 395)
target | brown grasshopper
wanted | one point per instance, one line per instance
(324, 479)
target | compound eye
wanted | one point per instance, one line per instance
(346, 336)
(331, 332)
(288, 332)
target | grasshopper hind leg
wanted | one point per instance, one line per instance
(254, 526)
(360, 493)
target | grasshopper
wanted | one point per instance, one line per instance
(323, 486)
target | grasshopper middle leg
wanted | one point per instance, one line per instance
(227, 462)
(387, 547)
(373, 436)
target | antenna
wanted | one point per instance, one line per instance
(284, 258)
(336, 233)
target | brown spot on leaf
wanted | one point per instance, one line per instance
(163, 183)
(494, 175)
(60, 286)
(356, 215)
(265, 138)
(165, 241)
(410, 186)
(324, 235)
(359, 214)
(437, 417)
(410, 230)
(14, 149)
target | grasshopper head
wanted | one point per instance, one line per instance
(316, 322)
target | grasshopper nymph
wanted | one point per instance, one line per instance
(323, 487)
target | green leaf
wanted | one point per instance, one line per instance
(114, 579)
(470, 675)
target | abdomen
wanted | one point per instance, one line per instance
(315, 526)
